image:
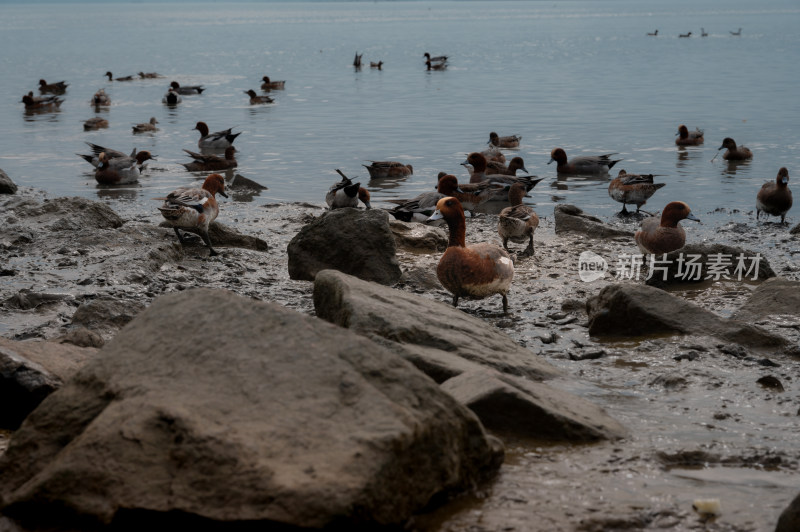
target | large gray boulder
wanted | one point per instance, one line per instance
(571, 219)
(32, 370)
(440, 340)
(354, 241)
(695, 263)
(774, 296)
(638, 310)
(522, 408)
(214, 409)
(6, 185)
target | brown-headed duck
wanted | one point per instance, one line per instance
(435, 66)
(270, 85)
(734, 153)
(59, 87)
(510, 141)
(689, 138)
(479, 174)
(378, 65)
(146, 126)
(201, 162)
(517, 222)
(150, 75)
(477, 271)
(120, 170)
(95, 123)
(218, 140)
(632, 188)
(187, 89)
(663, 235)
(193, 209)
(585, 164)
(255, 99)
(775, 198)
(381, 169)
(44, 103)
(100, 98)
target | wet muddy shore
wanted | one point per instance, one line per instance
(700, 423)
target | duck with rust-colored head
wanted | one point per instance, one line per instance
(255, 99)
(585, 164)
(382, 169)
(269, 85)
(511, 141)
(95, 123)
(120, 170)
(632, 188)
(733, 152)
(689, 138)
(193, 209)
(775, 198)
(59, 87)
(209, 162)
(479, 172)
(518, 222)
(475, 271)
(663, 235)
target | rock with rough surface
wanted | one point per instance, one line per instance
(106, 314)
(774, 296)
(418, 237)
(6, 185)
(789, 520)
(224, 236)
(511, 405)
(241, 414)
(440, 340)
(353, 241)
(639, 310)
(569, 218)
(703, 262)
(32, 370)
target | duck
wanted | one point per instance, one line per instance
(36, 102)
(586, 164)
(381, 169)
(477, 271)
(497, 168)
(435, 66)
(664, 235)
(255, 99)
(685, 35)
(217, 140)
(269, 85)
(345, 193)
(479, 166)
(737, 32)
(120, 170)
(689, 138)
(703, 32)
(94, 159)
(59, 87)
(187, 89)
(734, 153)
(171, 97)
(146, 126)
(470, 195)
(193, 209)
(100, 98)
(378, 65)
(493, 154)
(95, 123)
(437, 59)
(421, 207)
(201, 162)
(511, 141)
(123, 78)
(357, 60)
(517, 222)
(654, 34)
(150, 75)
(775, 198)
(632, 188)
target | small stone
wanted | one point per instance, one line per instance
(768, 381)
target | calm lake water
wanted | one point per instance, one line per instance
(582, 75)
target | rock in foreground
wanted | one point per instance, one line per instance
(244, 413)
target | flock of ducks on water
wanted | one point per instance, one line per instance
(475, 271)
(703, 33)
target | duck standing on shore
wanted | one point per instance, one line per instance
(775, 198)
(733, 152)
(517, 222)
(664, 235)
(193, 209)
(632, 188)
(477, 271)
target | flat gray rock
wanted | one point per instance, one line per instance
(569, 218)
(772, 297)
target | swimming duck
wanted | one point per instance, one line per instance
(494, 154)
(171, 97)
(94, 159)
(146, 126)
(59, 87)
(477, 271)
(737, 32)
(210, 162)
(437, 59)
(435, 66)
(586, 164)
(187, 89)
(193, 209)
(255, 99)
(689, 138)
(269, 85)
(120, 170)
(378, 65)
(479, 174)
(518, 222)
(123, 78)
(511, 141)
(632, 188)
(357, 60)
(217, 140)
(775, 198)
(685, 35)
(703, 32)
(345, 193)
(497, 168)
(37, 102)
(381, 169)
(733, 152)
(470, 195)
(150, 75)
(95, 123)
(655, 33)
(664, 235)
(100, 98)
